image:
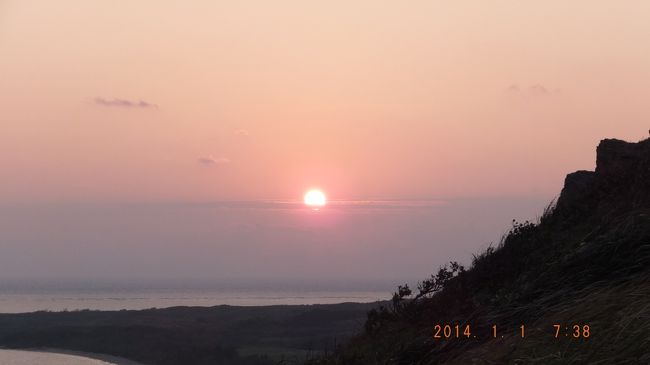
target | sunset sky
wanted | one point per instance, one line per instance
(185, 102)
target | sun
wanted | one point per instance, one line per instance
(315, 198)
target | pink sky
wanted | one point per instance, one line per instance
(260, 100)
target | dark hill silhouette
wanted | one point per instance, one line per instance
(585, 262)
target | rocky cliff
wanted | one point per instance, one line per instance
(622, 172)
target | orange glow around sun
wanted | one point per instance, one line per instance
(315, 198)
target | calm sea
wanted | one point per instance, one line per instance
(29, 299)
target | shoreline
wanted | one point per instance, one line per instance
(115, 360)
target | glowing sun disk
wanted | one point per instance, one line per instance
(315, 198)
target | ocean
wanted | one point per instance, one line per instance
(18, 300)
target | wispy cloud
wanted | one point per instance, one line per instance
(241, 132)
(538, 90)
(533, 90)
(348, 205)
(123, 103)
(211, 161)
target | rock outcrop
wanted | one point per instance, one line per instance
(622, 172)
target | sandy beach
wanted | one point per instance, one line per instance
(115, 360)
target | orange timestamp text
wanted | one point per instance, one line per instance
(457, 331)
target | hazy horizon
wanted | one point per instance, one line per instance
(240, 242)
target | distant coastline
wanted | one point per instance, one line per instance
(234, 335)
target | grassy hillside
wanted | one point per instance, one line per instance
(585, 262)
